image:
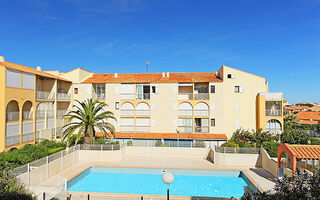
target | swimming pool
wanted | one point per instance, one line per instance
(149, 181)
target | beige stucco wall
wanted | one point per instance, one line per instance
(268, 164)
(99, 156)
(237, 160)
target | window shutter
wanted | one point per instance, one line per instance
(28, 81)
(241, 89)
(13, 78)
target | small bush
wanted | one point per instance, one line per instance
(129, 143)
(100, 140)
(55, 150)
(230, 144)
(271, 148)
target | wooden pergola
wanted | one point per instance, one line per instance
(298, 152)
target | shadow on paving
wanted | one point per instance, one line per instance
(264, 173)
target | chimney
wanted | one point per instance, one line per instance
(39, 68)
(116, 75)
(163, 74)
(1, 59)
(168, 74)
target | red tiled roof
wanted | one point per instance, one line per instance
(154, 78)
(305, 151)
(169, 136)
(307, 115)
(30, 70)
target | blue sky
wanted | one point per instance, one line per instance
(279, 40)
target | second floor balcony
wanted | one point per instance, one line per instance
(45, 96)
(61, 96)
(201, 96)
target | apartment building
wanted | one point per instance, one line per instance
(149, 107)
(31, 104)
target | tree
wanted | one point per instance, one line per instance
(296, 136)
(86, 117)
(290, 122)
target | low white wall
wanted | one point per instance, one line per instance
(269, 164)
(237, 160)
(99, 156)
(131, 151)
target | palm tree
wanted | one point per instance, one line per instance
(85, 117)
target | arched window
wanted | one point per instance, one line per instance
(273, 126)
(27, 125)
(201, 109)
(127, 109)
(142, 109)
(12, 128)
(185, 109)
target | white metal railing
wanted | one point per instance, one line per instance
(201, 96)
(11, 140)
(99, 97)
(40, 114)
(198, 112)
(142, 129)
(238, 150)
(271, 112)
(44, 95)
(127, 128)
(142, 112)
(143, 96)
(27, 115)
(13, 116)
(50, 113)
(27, 137)
(185, 96)
(129, 112)
(185, 112)
(185, 129)
(127, 96)
(60, 113)
(63, 96)
(201, 129)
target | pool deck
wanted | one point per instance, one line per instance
(258, 176)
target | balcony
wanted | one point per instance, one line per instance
(201, 96)
(185, 96)
(63, 96)
(201, 129)
(127, 96)
(11, 140)
(185, 112)
(12, 116)
(127, 112)
(45, 96)
(99, 97)
(185, 129)
(142, 112)
(273, 113)
(143, 96)
(26, 115)
(204, 112)
(60, 113)
(127, 128)
(142, 129)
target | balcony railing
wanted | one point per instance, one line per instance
(127, 96)
(44, 95)
(277, 113)
(185, 112)
(185, 96)
(60, 113)
(201, 96)
(27, 137)
(143, 96)
(50, 113)
(127, 128)
(142, 129)
(127, 112)
(11, 140)
(40, 114)
(201, 129)
(27, 115)
(100, 97)
(142, 112)
(185, 129)
(201, 112)
(13, 116)
(63, 96)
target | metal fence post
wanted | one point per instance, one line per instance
(44, 196)
(47, 166)
(28, 173)
(65, 184)
(61, 155)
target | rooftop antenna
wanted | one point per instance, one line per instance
(147, 65)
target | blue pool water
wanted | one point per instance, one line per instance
(149, 181)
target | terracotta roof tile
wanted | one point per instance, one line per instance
(168, 136)
(307, 115)
(154, 78)
(30, 70)
(305, 151)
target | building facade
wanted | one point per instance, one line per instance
(179, 108)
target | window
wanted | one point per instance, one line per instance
(75, 90)
(213, 122)
(153, 89)
(116, 105)
(236, 88)
(231, 76)
(213, 89)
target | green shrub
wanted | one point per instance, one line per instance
(55, 150)
(271, 148)
(129, 143)
(230, 144)
(100, 140)
(158, 143)
(72, 140)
